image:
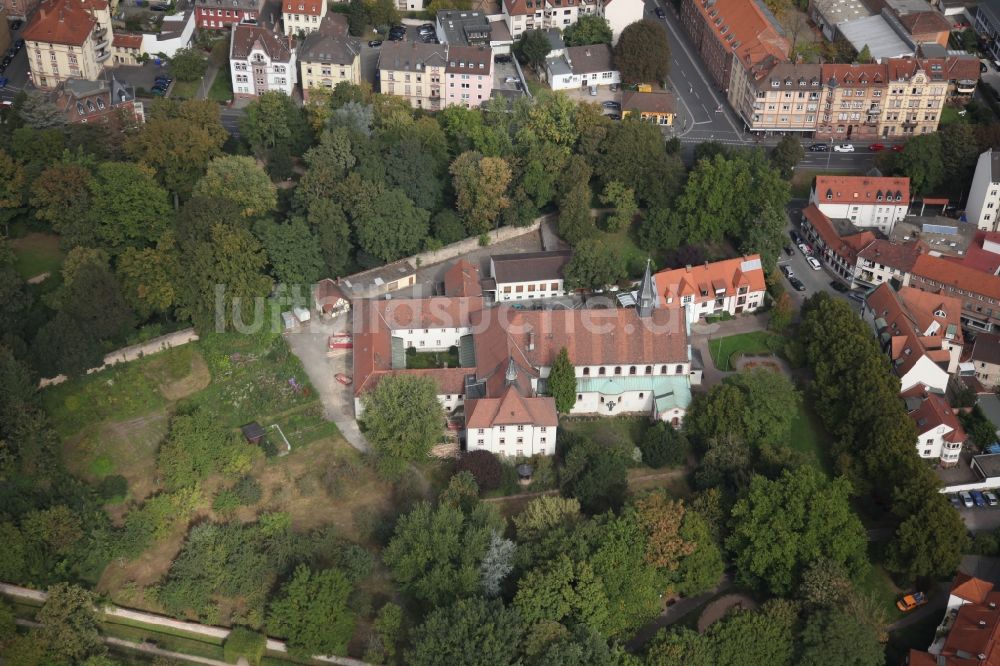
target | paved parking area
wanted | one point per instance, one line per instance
(140, 76)
(17, 71)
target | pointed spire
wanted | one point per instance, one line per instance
(511, 375)
(646, 300)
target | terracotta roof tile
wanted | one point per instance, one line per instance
(511, 408)
(744, 28)
(247, 37)
(306, 7)
(60, 22)
(728, 274)
(972, 589)
(860, 190)
(956, 275)
(462, 279)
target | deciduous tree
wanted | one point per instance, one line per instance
(596, 476)
(474, 632)
(563, 591)
(782, 526)
(273, 121)
(589, 29)
(188, 64)
(622, 199)
(292, 250)
(69, 624)
(532, 49)
(392, 227)
(311, 612)
(60, 196)
(402, 418)
(787, 154)
(930, 542)
(480, 189)
(575, 221)
(642, 54)
(239, 179)
(128, 208)
(595, 264)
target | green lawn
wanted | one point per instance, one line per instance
(185, 89)
(878, 583)
(609, 430)
(802, 183)
(422, 360)
(809, 438)
(624, 246)
(222, 87)
(949, 115)
(36, 253)
(756, 342)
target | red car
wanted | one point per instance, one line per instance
(340, 341)
(898, 148)
(876, 147)
(346, 380)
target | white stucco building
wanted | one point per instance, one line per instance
(524, 15)
(939, 434)
(626, 361)
(530, 275)
(868, 202)
(261, 60)
(582, 67)
(731, 286)
(983, 207)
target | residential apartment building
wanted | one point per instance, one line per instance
(222, 14)
(517, 277)
(261, 60)
(969, 632)
(777, 97)
(301, 17)
(653, 107)
(68, 39)
(126, 48)
(101, 101)
(987, 24)
(983, 206)
(852, 102)
(916, 94)
(415, 71)
(18, 9)
(921, 351)
(463, 28)
(326, 60)
(582, 67)
(939, 434)
(731, 286)
(838, 252)
(523, 15)
(880, 262)
(866, 201)
(468, 76)
(723, 30)
(979, 292)
(634, 360)
(985, 358)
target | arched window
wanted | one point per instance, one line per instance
(618, 369)
(663, 369)
(586, 372)
(600, 370)
(649, 369)
(631, 370)
(680, 369)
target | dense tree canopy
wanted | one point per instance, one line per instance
(642, 54)
(311, 612)
(402, 419)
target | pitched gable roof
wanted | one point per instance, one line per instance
(862, 190)
(703, 281)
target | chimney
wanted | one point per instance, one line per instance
(531, 341)
(982, 623)
(587, 53)
(687, 269)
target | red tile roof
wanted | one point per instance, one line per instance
(247, 37)
(859, 190)
(924, 23)
(970, 588)
(525, 7)
(743, 28)
(703, 280)
(977, 255)
(846, 247)
(60, 22)
(907, 344)
(470, 60)
(328, 294)
(307, 7)
(896, 255)
(856, 76)
(957, 276)
(462, 279)
(927, 309)
(127, 40)
(511, 408)
(976, 631)
(934, 412)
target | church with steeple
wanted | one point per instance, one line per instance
(627, 360)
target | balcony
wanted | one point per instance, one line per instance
(102, 55)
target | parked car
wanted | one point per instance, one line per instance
(838, 286)
(844, 148)
(165, 80)
(977, 498)
(787, 270)
(660, 14)
(11, 52)
(991, 498)
(396, 36)
(856, 296)
(4, 81)
(805, 249)
(614, 116)
(18, 45)
(966, 499)
(157, 92)
(797, 283)
(876, 147)
(955, 500)
(593, 91)
(819, 148)
(794, 235)
(789, 250)
(611, 105)
(16, 25)
(993, 448)
(341, 340)
(911, 601)
(426, 29)
(375, 43)
(346, 380)
(898, 148)
(814, 263)
(503, 58)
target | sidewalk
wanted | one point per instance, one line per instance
(206, 82)
(702, 334)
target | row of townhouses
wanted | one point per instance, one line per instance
(747, 54)
(634, 359)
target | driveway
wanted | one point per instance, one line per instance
(309, 343)
(703, 333)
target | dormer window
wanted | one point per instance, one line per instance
(100, 103)
(878, 195)
(941, 314)
(775, 84)
(79, 108)
(829, 195)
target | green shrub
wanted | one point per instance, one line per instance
(243, 642)
(248, 491)
(663, 445)
(225, 502)
(113, 488)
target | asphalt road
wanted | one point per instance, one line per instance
(17, 70)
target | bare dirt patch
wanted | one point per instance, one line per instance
(716, 610)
